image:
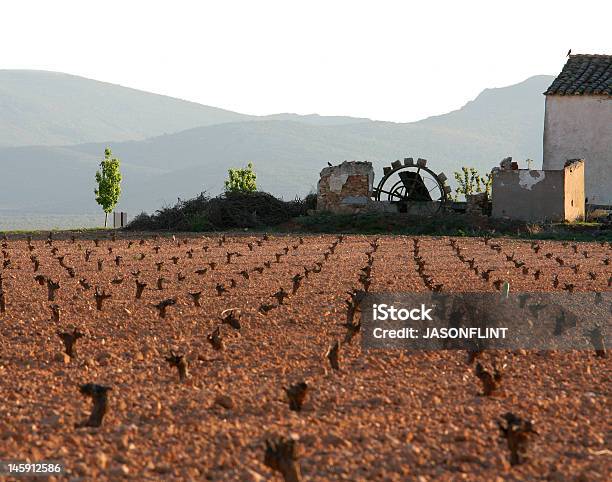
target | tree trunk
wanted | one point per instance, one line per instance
(105, 218)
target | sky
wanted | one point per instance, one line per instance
(387, 60)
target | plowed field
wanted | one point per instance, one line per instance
(385, 415)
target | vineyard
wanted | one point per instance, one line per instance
(238, 358)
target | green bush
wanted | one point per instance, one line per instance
(241, 180)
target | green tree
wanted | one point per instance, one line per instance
(241, 180)
(470, 182)
(108, 179)
(487, 181)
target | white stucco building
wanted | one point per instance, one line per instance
(578, 122)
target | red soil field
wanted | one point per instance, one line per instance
(385, 415)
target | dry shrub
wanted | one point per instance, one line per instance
(533, 228)
(597, 215)
(229, 210)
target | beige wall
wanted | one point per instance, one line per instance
(574, 191)
(580, 127)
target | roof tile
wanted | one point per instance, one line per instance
(584, 75)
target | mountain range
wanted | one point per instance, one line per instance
(54, 128)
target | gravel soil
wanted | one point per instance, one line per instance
(385, 415)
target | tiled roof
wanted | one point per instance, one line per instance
(584, 75)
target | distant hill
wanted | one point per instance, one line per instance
(287, 151)
(315, 119)
(51, 108)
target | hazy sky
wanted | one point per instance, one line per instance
(389, 60)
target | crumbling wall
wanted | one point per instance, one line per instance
(346, 188)
(476, 204)
(539, 195)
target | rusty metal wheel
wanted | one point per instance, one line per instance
(413, 187)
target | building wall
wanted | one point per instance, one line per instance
(537, 196)
(574, 191)
(346, 187)
(580, 127)
(528, 195)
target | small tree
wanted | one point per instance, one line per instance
(487, 182)
(470, 182)
(241, 180)
(108, 179)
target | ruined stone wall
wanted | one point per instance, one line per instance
(539, 195)
(346, 188)
(476, 204)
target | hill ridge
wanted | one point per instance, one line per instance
(288, 153)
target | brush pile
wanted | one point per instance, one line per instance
(229, 210)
